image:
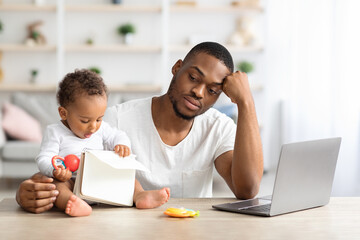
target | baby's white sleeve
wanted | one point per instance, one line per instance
(50, 147)
(113, 137)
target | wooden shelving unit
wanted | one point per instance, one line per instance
(113, 8)
(131, 88)
(21, 87)
(27, 8)
(215, 9)
(24, 48)
(135, 88)
(231, 48)
(113, 48)
(61, 49)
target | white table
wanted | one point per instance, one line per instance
(340, 219)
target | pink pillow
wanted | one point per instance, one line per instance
(20, 125)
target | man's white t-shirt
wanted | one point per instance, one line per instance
(186, 168)
(60, 140)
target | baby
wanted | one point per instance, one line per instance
(82, 96)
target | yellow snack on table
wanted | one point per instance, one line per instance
(181, 212)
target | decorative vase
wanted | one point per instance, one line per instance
(34, 74)
(39, 2)
(128, 38)
(1, 71)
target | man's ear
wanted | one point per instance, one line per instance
(62, 113)
(177, 66)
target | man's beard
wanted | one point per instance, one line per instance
(174, 103)
(179, 114)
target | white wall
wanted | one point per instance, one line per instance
(312, 61)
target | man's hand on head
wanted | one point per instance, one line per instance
(236, 87)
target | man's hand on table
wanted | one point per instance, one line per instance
(37, 194)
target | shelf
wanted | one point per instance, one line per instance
(135, 88)
(81, 8)
(27, 8)
(27, 87)
(24, 48)
(112, 8)
(113, 48)
(128, 88)
(231, 48)
(215, 9)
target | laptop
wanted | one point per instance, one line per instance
(304, 179)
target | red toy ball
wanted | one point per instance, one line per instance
(71, 161)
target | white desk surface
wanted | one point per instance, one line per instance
(340, 219)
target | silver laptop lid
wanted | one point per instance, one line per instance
(305, 176)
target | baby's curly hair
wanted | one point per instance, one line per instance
(77, 83)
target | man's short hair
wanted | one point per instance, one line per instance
(214, 49)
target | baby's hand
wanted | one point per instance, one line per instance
(122, 150)
(62, 174)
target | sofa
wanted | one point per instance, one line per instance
(31, 113)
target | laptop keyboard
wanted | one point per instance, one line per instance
(261, 208)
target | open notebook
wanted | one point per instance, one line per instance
(105, 177)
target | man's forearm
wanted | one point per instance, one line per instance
(247, 164)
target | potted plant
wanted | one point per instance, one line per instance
(95, 70)
(1, 71)
(34, 74)
(245, 67)
(127, 30)
(1, 26)
(89, 41)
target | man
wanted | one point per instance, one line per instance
(179, 137)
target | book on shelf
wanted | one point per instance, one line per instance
(105, 177)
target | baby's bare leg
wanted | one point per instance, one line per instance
(150, 199)
(67, 201)
(65, 192)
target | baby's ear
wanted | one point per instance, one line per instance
(62, 113)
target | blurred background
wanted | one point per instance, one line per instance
(301, 57)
